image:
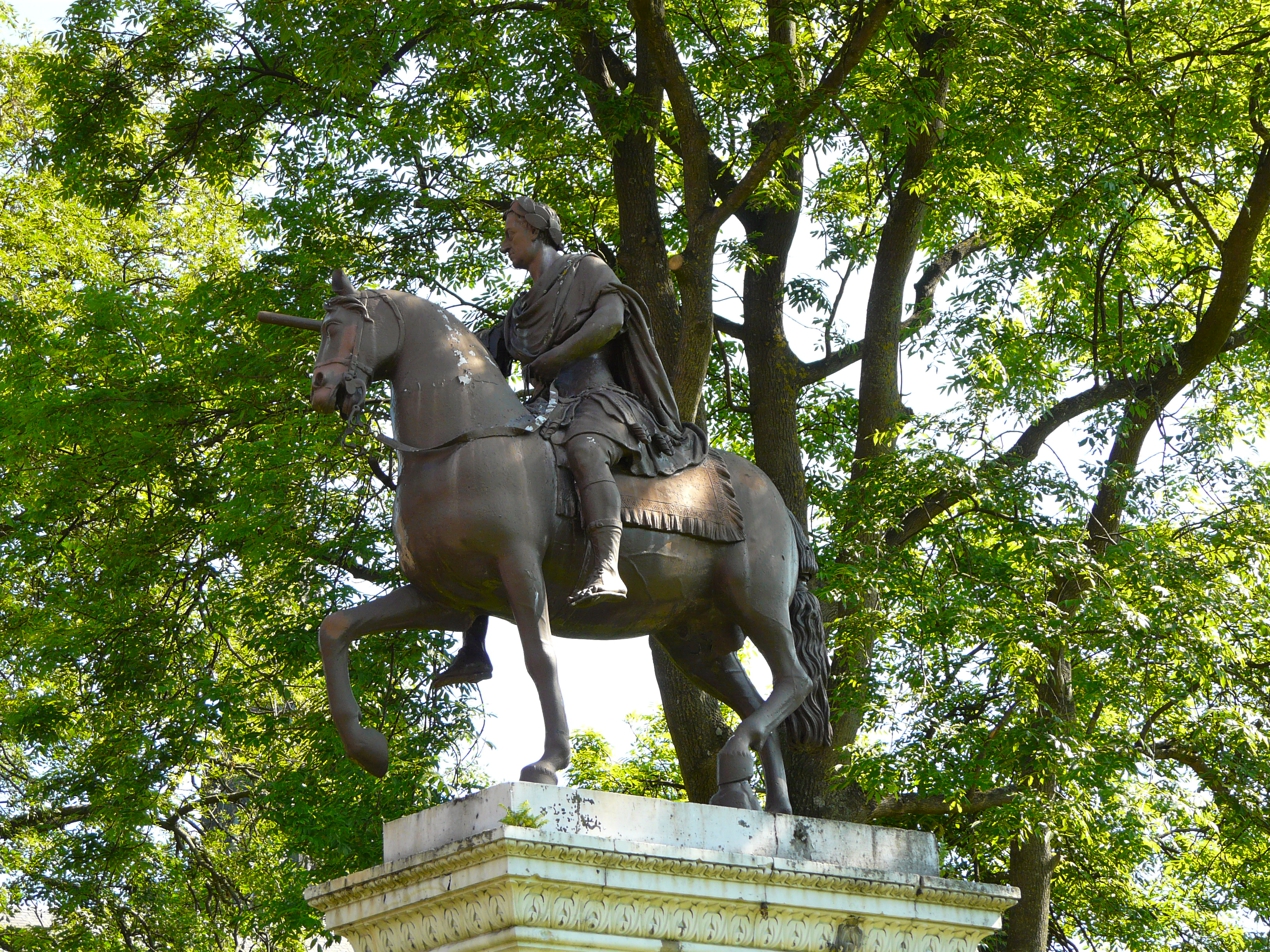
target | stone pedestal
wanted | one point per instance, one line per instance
(522, 866)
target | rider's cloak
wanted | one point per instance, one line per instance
(642, 416)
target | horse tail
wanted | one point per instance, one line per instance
(809, 724)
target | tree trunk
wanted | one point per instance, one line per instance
(810, 769)
(775, 386)
(880, 413)
(775, 382)
(687, 364)
(641, 250)
(696, 726)
(1032, 862)
(880, 407)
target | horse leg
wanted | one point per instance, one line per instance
(402, 608)
(527, 595)
(774, 638)
(722, 675)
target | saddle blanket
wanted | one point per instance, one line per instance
(697, 501)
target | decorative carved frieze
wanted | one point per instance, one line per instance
(584, 917)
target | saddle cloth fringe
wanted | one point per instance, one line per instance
(698, 501)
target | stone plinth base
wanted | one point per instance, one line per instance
(629, 874)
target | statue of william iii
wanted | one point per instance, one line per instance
(579, 329)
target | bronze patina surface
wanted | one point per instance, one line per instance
(477, 522)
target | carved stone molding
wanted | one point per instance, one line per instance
(572, 917)
(521, 843)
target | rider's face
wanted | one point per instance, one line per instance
(520, 241)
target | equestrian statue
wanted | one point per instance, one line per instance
(590, 511)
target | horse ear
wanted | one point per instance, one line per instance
(340, 282)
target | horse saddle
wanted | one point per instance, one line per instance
(697, 501)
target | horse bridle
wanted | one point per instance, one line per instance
(357, 372)
(357, 375)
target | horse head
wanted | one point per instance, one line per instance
(357, 347)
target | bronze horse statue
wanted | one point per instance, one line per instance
(478, 534)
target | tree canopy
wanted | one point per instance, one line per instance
(173, 527)
(1047, 599)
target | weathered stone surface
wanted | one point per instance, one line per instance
(645, 820)
(625, 873)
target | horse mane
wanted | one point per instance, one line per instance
(344, 300)
(406, 301)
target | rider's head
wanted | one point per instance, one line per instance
(530, 225)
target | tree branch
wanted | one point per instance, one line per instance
(466, 303)
(1245, 334)
(1225, 51)
(1179, 185)
(731, 328)
(938, 269)
(617, 67)
(169, 822)
(650, 17)
(923, 310)
(63, 816)
(1024, 450)
(1207, 774)
(914, 804)
(1214, 334)
(383, 477)
(357, 570)
(1219, 317)
(846, 60)
(727, 379)
(1030, 441)
(817, 370)
(1259, 127)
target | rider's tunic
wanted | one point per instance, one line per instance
(640, 415)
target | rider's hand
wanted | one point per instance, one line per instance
(544, 368)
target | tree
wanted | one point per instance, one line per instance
(173, 526)
(1092, 176)
(651, 769)
(1150, 193)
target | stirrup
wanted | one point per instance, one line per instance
(593, 594)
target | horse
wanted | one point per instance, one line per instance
(477, 532)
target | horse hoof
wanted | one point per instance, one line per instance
(737, 793)
(777, 805)
(370, 751)
(464, 671)
(539, 773)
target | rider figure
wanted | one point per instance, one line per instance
(579, 329)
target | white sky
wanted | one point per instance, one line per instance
(41, 14)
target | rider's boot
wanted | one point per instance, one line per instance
(471, 665)
(602, 516)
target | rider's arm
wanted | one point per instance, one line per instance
(600, 328)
